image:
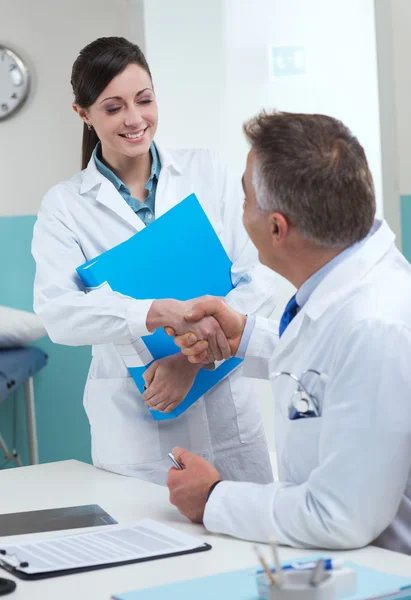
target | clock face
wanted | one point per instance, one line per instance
(14, 82)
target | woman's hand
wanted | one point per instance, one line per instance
(168, 382)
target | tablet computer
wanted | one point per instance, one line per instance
(54, 519)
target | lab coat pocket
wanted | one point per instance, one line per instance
(301, 447)
(244, 398)
(122, 430)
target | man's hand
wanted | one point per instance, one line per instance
(189, 487)
(168, 382)
(170, 313)
(232, 323)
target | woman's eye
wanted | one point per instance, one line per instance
(110, 111)
(145, 101)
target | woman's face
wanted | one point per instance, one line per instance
(125, 115)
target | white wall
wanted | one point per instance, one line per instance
(40, 145)
(211, 71)
(393, 19)
(184, 48)
(210, 66)
(388, 115)
(401, 38)
(341, 79)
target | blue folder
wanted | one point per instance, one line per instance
(241, 585)
(177, 256)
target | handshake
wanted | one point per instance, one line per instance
(205, 329)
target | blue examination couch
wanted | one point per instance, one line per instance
(17, 368)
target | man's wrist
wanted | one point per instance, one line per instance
(212, 487)
(235, 342)
(245, 336)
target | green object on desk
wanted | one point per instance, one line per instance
(241, 585)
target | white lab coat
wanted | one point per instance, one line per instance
(344, 477)
(81, 218)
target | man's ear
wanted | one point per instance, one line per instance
(279, 227)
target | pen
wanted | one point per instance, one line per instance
(317, 573)
(175, 462)
(272, 579)
(276, 558)
(329, 565)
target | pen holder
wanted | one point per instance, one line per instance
(296, 586)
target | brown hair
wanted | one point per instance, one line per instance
(314, 171)
(97, 64)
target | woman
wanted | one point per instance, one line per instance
(127, 180)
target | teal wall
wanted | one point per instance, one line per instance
(63, 429)
(406, 226)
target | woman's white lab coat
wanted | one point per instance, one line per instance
(344, 475)
(81, 218)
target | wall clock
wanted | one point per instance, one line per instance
(14, 82)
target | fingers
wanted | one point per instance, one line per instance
(169, 331)
(173, 479)
(149, 394)
(223, 345)
(187, 350)
(148, 375)
(157, 402)
(154, 397)
(210, 358)
(161, 405)
(213, 352)
(218, 346)
(203, 309)
(186, 340)
(198, 359)
(183, 457)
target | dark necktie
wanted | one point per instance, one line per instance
(288, 315)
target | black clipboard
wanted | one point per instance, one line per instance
(48, 574)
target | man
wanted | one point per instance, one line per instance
(339, 363)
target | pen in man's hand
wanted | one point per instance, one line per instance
(174, 461)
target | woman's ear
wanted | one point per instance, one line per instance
(82, 113)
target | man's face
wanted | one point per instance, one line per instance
(257, 223)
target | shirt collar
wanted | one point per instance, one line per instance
(155, 165)
(116, 181)
(312, 282)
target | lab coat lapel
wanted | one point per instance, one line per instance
(167, 188)
(110, 197)
(289, 338)
(95, 184)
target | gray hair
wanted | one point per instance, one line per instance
(311, 169)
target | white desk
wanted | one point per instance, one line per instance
(73, 483)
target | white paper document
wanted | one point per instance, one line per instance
(111, 545)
